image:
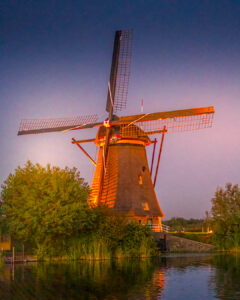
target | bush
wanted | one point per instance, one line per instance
(44, 204)
(226, 217)
(47, 209)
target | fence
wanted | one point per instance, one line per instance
(159, 227)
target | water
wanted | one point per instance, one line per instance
(169, 277)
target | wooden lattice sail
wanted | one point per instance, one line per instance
(122, 179)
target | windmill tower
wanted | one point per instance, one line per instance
(122, 179)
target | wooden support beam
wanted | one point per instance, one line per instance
(83, 141)
(85, 152)
(155, 132)
(159, 156)
(154, 146)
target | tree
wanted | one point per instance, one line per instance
(47, 208)
(42, 205)
(226, 216)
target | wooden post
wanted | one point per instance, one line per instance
(13, 255)
(165, 242)
(23, 252)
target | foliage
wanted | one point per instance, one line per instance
(1, 260)
(125, 238)
(113, 236)
(43, 204)
(180, 224)
(138, 241)
(47, 209)
(3, 228)
(226, 217)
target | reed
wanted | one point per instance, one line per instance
(227, 242)
(1, 260)
(91, 248)
(102, 236)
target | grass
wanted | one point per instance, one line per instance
(97, 249)
(202, 237)
(93, 247)
(90, 249)
(210, 238)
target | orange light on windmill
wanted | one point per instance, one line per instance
(94, 201)
(107, 124)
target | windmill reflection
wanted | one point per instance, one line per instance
(155, 287)
(120, 279)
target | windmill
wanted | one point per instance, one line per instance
(123, 180)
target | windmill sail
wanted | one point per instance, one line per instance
(34, 126)
(120, 71)
(173, 121)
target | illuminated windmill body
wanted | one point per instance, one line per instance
(122, 179)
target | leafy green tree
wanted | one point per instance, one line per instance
(131, 238)
(42, 205)
(47, 209)
(226, 216)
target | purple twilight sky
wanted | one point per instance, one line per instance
(55, 62)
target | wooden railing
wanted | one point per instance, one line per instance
(159, 227)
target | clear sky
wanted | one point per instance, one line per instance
(55, 59)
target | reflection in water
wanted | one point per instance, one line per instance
(82, 280)
(170, 277)
(226, 280)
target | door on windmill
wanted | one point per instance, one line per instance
(149, 222)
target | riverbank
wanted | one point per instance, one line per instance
(136, 245)
(33, 258)
(177, 247)
(133, 243)
(172, 243)
(202, 237)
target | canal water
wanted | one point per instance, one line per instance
(182, 276)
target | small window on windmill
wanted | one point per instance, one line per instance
(145, 206)
(140, 179)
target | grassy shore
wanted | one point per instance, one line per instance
(206, 238)
(202, 237)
